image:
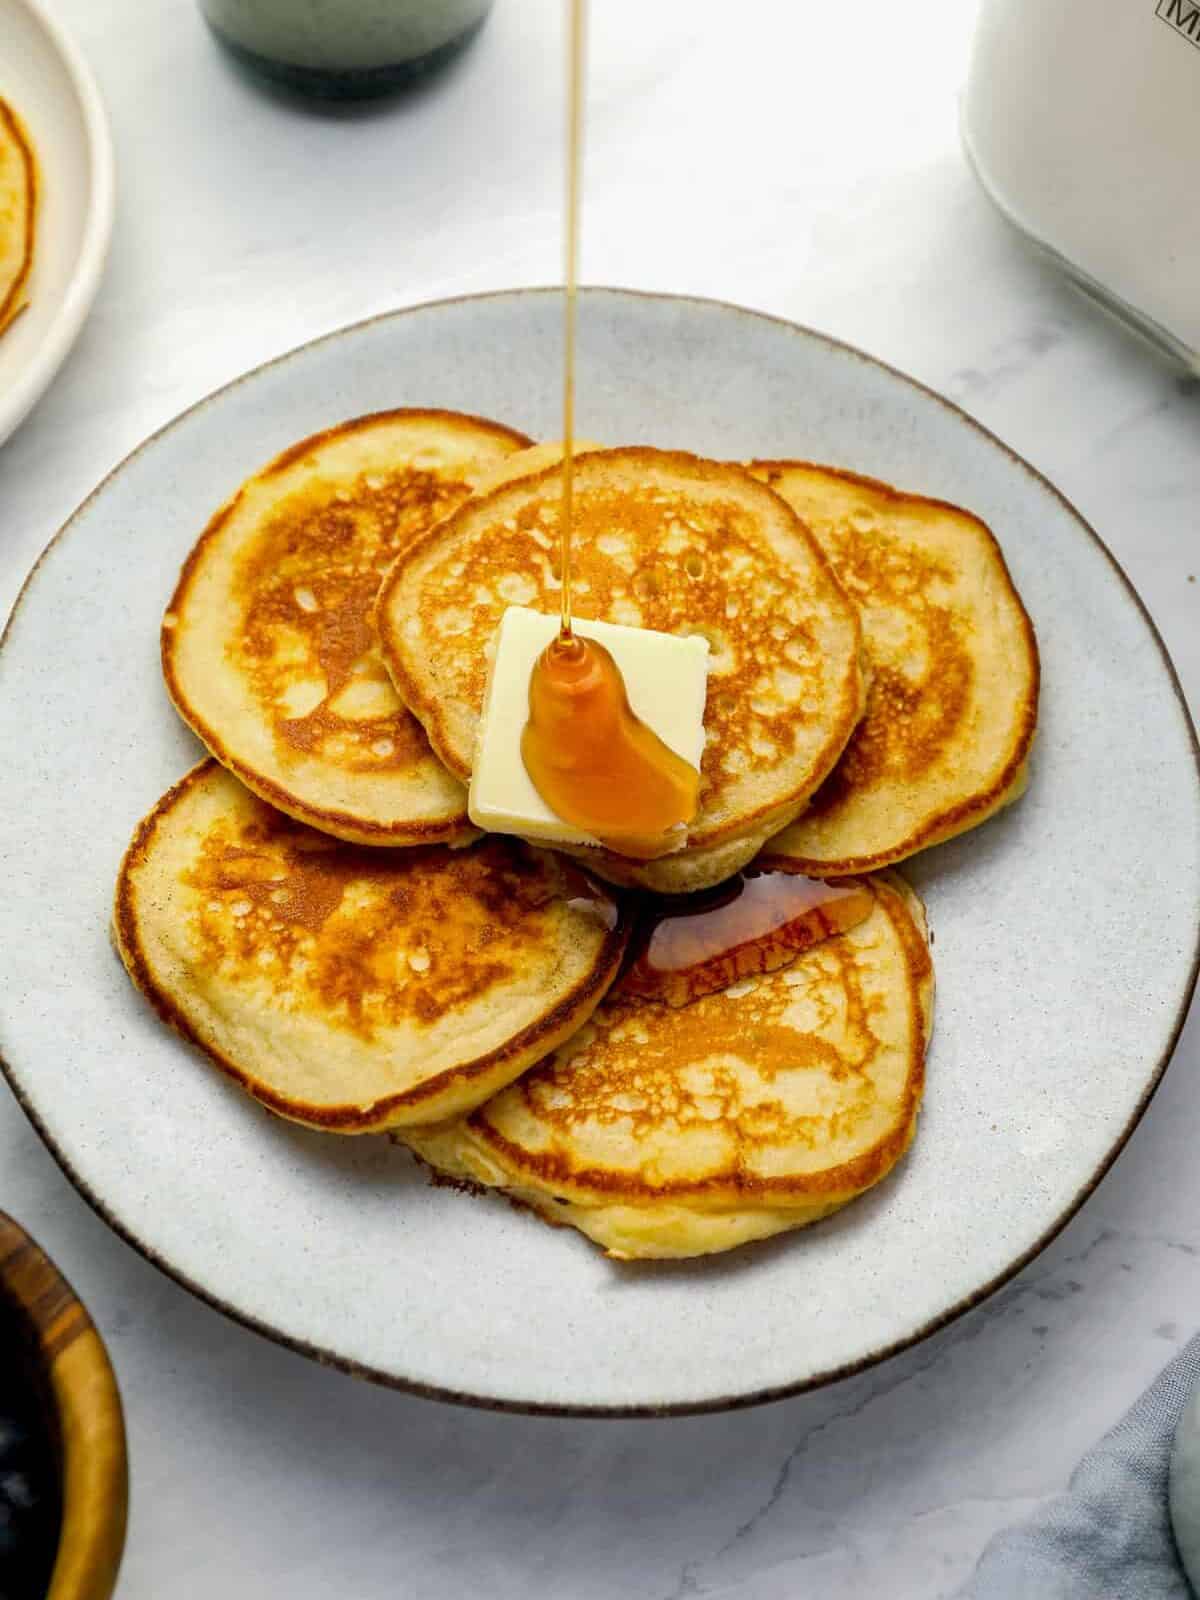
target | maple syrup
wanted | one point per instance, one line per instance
(594, 762)
(590, 757)
(688, 946)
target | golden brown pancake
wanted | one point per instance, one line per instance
(952, 706)
(268, 648)
(666, 541)
(18, 213)
(663, 1132)
(355, 989)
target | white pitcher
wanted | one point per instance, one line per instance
(1082, 121)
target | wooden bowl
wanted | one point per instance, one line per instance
(85, 1417)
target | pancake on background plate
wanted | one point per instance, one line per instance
(952, 706)
(355, 989)
(18, 213)
(662, 1132)
(268, 648)
(667, 541)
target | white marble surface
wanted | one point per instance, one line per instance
(795, 156)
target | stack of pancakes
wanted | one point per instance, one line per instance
(315, 911)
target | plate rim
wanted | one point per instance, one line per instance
(646, 1410)
(84, 282)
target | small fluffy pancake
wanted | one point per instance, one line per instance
(356, 989)
(666, 1133)
(667, 541)
(952, 705)
(18, 213)
(268, 648)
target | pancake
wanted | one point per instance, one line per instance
(355, 989)
(18, 213)
(667, 1133)
(666, 541)
(952, 706)
(268, 648)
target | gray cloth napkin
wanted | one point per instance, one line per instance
(1109, 1536)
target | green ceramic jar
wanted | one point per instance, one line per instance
(344, 49)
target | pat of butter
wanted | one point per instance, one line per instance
(666, 678)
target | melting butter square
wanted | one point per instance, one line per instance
(666, 678)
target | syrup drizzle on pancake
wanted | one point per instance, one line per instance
(687, 946)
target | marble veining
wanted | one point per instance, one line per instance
(245, 225)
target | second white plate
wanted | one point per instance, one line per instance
(45, 79)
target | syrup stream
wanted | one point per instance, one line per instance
(590, 758)
(575, 50)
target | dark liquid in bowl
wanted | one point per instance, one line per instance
(30, 1505)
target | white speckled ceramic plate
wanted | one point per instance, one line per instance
(1066, 930)
(49, 84)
